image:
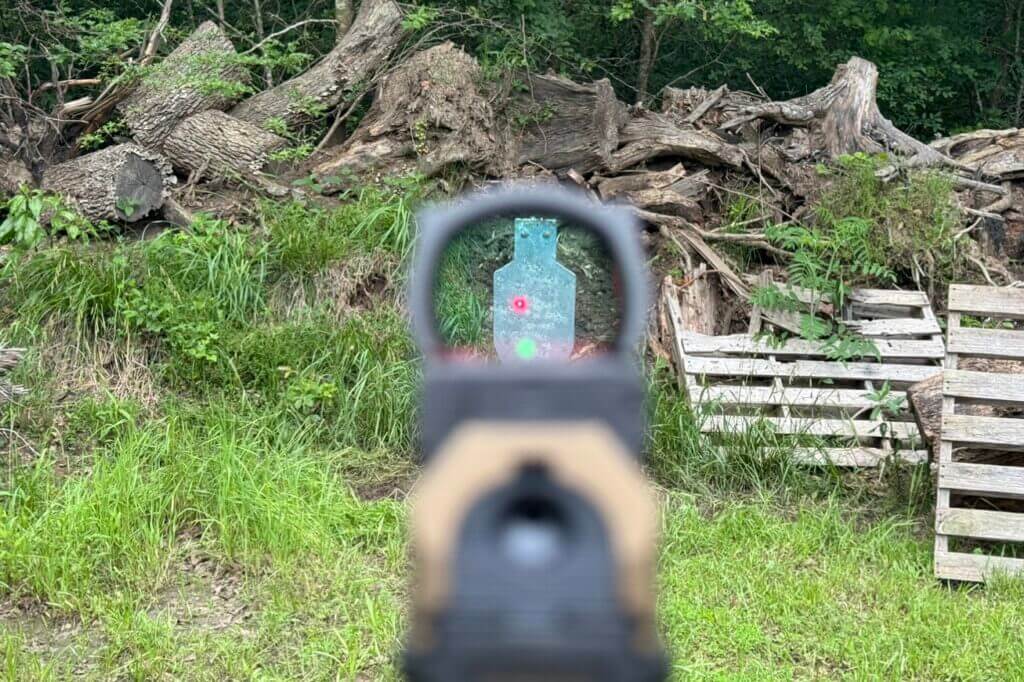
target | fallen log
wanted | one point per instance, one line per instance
(558, 124)
(125, 182)
(364, 49)
(671, 191)
(651, 135)
(990, 153)
(214, 145)
(183, 84)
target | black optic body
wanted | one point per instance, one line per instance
(534, 592)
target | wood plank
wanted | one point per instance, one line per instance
(974, 567)
(987, 343)
(894, 297)
(987, 301)
(981, 478)
(924, 349)
(980, 523)
(812, 427)
(987, 386)
(807, 369)
(995, 432)
(899, 326)
(856, 457)
(794, 396)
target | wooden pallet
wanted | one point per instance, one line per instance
(961, 483)
(738, 380)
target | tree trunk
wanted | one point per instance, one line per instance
(343, 13)
(180, 86)
(215, 145)
(428, 114)
(566, 124)
(646, 62)
(374, 35)
(124, 182)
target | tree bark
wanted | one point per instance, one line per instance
(215, 145)
(175, 89)
(651, 135)
(566, 124)
(646, 61)
(124, 182)
(343, 14)
(375, 33)
(428, 114)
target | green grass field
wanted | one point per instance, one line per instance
(208, 479)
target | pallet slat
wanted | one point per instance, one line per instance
(982, 478)
(987, 386)
(987, 343)
(923, 349)
(900, 326)
(857, 457)
(988, 301)
(981, 523)
(813, 427)
(808, 369)
(974, 567)
(847, 398)
(995, 432)
(909, 299)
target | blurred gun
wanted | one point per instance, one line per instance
(533, 529)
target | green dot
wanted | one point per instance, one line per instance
(526, 348)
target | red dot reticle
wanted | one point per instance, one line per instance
(520, 305)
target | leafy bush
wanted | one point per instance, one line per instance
(34, 215)
(867, 232)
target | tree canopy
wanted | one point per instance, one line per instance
(946, 65)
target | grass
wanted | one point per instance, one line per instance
(209, 477)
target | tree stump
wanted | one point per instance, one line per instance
(215, 145)
(564, 124)
(428, 114)
(374, 35)
(183, 84)
(844, 116)
(124, 182)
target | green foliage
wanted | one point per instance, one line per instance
(92, 39)
(885, 403)
(461, 303)
(34, 215)
(11, 59)
(827, 264)
(867, 232)
(419, 18)
(291, 154)
(104, 134)
(304, 240)
(278, 126)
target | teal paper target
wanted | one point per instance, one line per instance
(534, 298)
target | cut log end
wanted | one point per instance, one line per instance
(122, 183)
(138, 188)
